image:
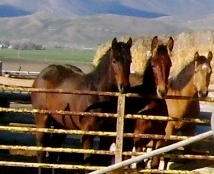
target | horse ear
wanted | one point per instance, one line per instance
(210, 56)
(114, 42)
(196, 55)
(154, 43)
(170, 44)
(129, 42)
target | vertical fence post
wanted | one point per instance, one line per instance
(120, 127)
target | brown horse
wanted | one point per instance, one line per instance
(192, 81)
(155, 82)
(112, 71)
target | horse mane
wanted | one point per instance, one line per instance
(149, 85)
(97, 73)
(162, 49)
(185, 75)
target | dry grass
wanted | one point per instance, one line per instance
(185, 46)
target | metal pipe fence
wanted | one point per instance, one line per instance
(119, 134)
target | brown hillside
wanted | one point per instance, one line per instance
(186, 44)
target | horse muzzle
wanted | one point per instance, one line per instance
(161, 93)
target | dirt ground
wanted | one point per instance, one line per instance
(31, 66)
(15, 64)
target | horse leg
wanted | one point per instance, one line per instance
(142, 126)
(169, 130)
(139, 148)
(156, 159)
(139, 143)
(128, 142)
(42, 121)
(105, 144)
(87, 142)
(89, 124)
(189, 130)
(56, 141)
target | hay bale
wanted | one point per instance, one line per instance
(185, 46)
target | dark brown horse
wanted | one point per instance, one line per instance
(155, 82)
(192, 81)
(112, 72)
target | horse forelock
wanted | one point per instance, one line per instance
(202, 60)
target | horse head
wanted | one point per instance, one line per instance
(202, 73)
(161, 64)
(120, 56)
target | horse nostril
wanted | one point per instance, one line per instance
(161, 93)
(203, 93)
(123, 88)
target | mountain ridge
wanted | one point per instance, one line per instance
(77, 24)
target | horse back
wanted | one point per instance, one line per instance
(54, 77)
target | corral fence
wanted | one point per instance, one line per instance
(17, 74)
(206, 155)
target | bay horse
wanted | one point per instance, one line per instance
(112, 72)
(154, 81)
(192, 81)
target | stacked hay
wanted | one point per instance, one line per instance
(185, 46)
(140, 45)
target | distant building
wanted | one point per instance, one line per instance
(10, 47)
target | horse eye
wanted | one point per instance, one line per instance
(113, 61)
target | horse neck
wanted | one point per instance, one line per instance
(149, 85)
(183, 83)
(102, 79)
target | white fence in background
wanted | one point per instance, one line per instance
(19, 74)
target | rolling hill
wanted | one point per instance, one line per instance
(86, 24)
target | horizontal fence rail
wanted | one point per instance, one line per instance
(80, 132)
(100, 152)
(78, 92)
(97, 114)
(78, 167)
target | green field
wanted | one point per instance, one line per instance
(73, 55)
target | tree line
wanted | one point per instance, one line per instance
(21, 45)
